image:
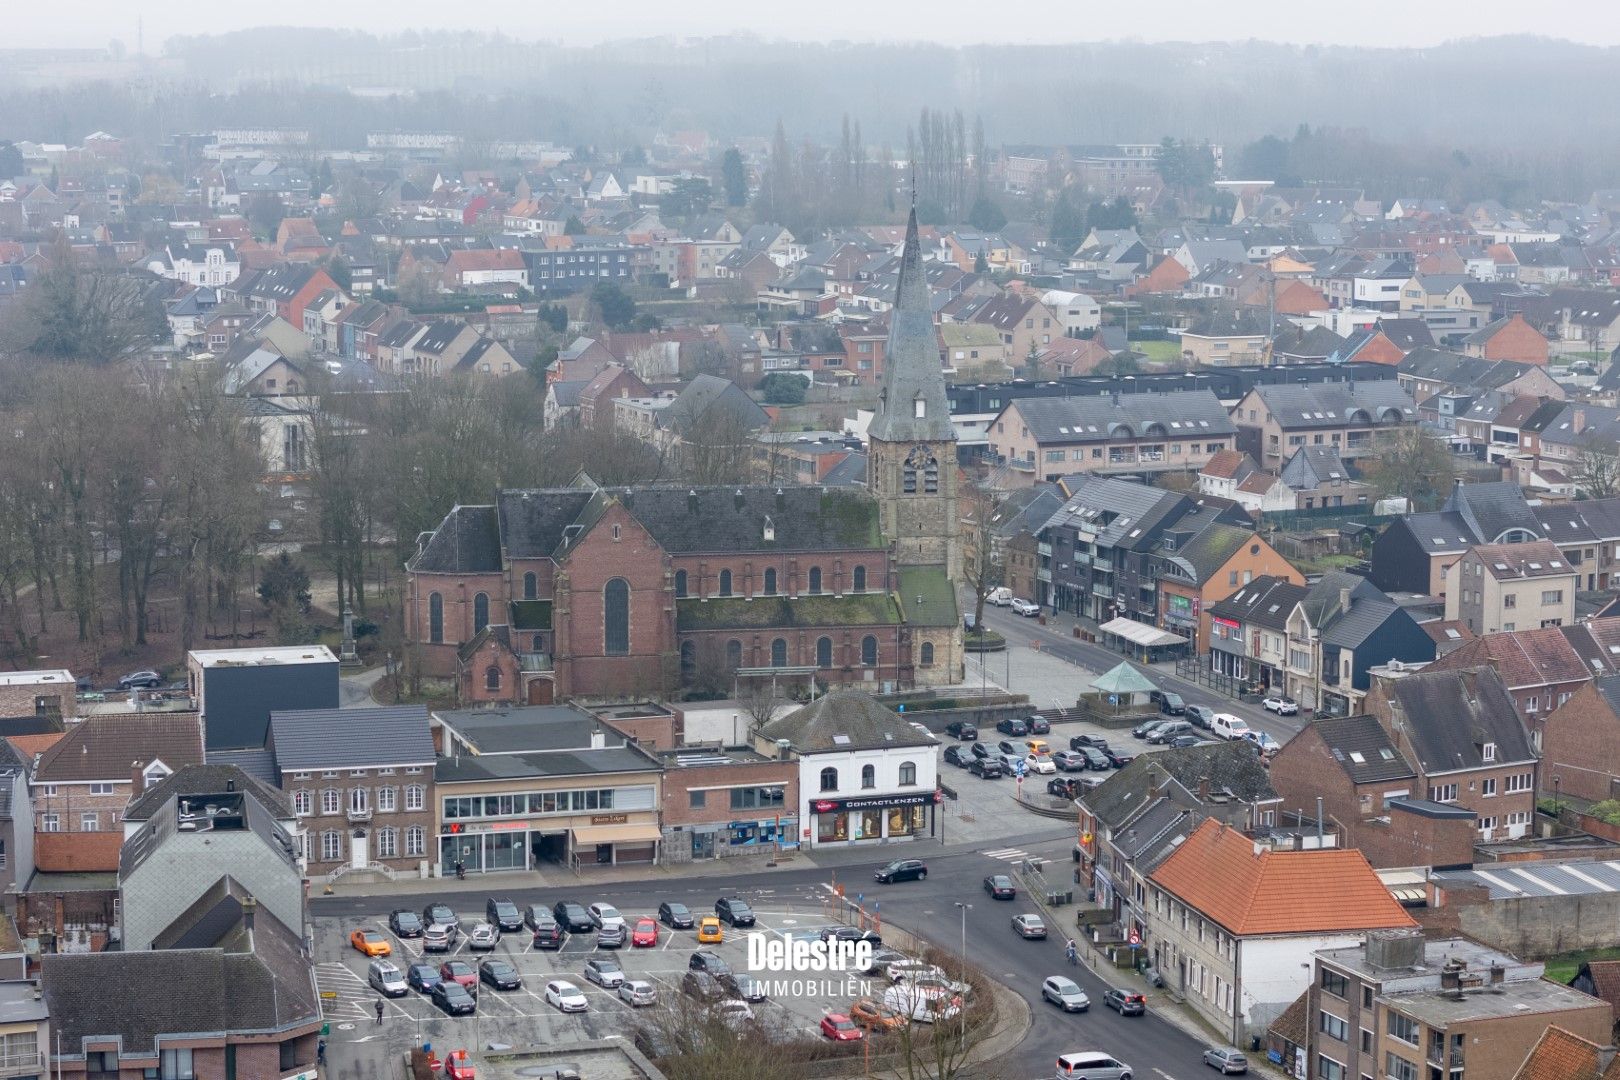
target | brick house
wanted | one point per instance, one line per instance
(82, 785)
(726, 801)
(1273, 421)
(596, 397)
(1200, 563)
(1580, 743)
(1502, 587)
(1045, 438)
(38, 693)
(1508, 339)
(1023, 322)
(1461, 733)
(361, 786)
(1367, 790)
(1541, 668)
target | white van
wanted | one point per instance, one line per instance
(385, 977)
(1227, 726)
(1091, 1065)
(925, 1006)
(1000, 597)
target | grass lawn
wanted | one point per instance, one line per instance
(1562, 968)
(1158, 352)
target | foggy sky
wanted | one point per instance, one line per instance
(94, 23)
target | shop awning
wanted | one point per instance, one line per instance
(1141, 633)
(616, 834)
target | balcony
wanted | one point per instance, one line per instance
(25, 1064)
(1440, 1059)
(1082, 559)
(1104, 591)
(359, 814)
(1043, 549)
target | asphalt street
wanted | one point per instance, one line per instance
(1057, 641)
(1152, 1046)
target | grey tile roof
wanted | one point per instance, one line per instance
(1231, 767)
(1447, 717)
(1336, 405)
(1178, 414)
(1492, 509)
(1323, 597)
(1312, 466)
(1266, 602)
(104, 747)
(489, 767)
(531, 522)
(467, 542)
(1114, 508)
(207, 779)
(851, 472)
(526, 728)
(698, 401)
(729, 519)
(845, 720)
(1363, 749)
(1351, 628)
(308, 739)
(1439, 532)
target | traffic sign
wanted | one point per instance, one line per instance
(1135, 939)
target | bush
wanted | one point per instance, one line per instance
(1607, 811)
(780, 388)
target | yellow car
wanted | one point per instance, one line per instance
(371, 943)
(709, 932)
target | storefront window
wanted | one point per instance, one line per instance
(831, 828)
(461, 847)
(900, 821)
(868, 825)
(506, 851)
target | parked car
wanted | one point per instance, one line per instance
(873, 1015)
(422, 977)
(1039, 763)
(458, 1066)
(1096, 760)
(440, 913)
(734, 910)
(547, 933)
(602, 915)
(742, 985)
(1064, 787)
(702, 986)
(604, 971)
(612, 936)
(1186, 739)
(573, 917)
(674, 915)
(482, 937)
(1038, 724)
(709, 962)
(453, 998)
(1266, 744)
(1227, 1060)
(140, 680)
(1010, 762)
(1065, 994)
(459, 971)
(1070, 761)
(405, 924)
(564, 996)
(986, 768)
(1096, 742)
(956, 755)
(1125, 1002)
(881, 959)
(901, 870)
(638, 992)
(1227, 726)
(1119, 760)
(500, 974)
(1165, 732)
(1280, 704)
(645, 934)
(1200, 715)
(370, 943)
(1007, 746)
(1144, 729)
(840, 1028)
(980, 750)
(1168, 701)
(385, 977)
(1000, 887)
(1027, 608)
(504, 914)
(1013, 726)
(1092, 1065)
(1029, 927)
(961, 729)
(850, 933)
(437, 937)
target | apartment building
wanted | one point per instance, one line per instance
(1048, 438)
(1505, 587)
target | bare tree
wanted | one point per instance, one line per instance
(761, 699)
(984, 562)
(1596, 466)
(718, 448)
(1413, 464)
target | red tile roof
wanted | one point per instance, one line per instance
(1560, 1055)
(1224, 465)
(1522, 657)
(1218, 872)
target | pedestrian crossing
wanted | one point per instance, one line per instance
(344, 995)
(1007, 854)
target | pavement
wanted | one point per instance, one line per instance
(354, 690)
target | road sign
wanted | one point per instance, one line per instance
(1022, 769)
(1135, 939)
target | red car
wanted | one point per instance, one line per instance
(645, 935)
(458, 1066)
(459, 971)
(840, 1028)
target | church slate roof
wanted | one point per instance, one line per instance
(911, 374)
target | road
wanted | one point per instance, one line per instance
(1156, 1049)
(1019, 631)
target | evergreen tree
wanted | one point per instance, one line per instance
(734, 178)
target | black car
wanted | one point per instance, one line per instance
(979, 750)
(710, 962)
(547, 934)
(1064, 787)
(405, 924)
(500, 975)
(1125, 1002)
(742, 985)
(734, 911)
(1168, 701)
(1140, 731)
(703, 986)
(442, 914)
(1038, 724)
(1118, 760)
(1013, 726)
(850, 934)
(1165, 732)
(961, 729)
(453, 998)
(901, 870)
(1080, 742)
(423, 977)
(1200, 716)
(675, 916)
(986, 768)
(955, 755)
(1096, 760)
(573, 917)
(1185, 740)
(1000, 887)
(1006, 747)
(504, 914)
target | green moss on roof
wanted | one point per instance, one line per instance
(772, 612)
(854, 517)
(531, 614)
(927, 596)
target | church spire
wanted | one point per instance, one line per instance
(913, 407)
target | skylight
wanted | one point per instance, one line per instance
(1357, 757)
(1387, 754)
(841, 740)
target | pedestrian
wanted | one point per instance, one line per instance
(379, 1010)
(320, 1052)
(1072, 951)
(461, 870)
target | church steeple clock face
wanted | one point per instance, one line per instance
(920, 462)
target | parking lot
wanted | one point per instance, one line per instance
(523, 1018)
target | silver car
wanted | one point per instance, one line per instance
(483, 937)
(638, 992)
(385, 977)
(1065, 994)
(1227, 1059)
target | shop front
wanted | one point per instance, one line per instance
(524, 830)
(1227, 653)
(872, 819)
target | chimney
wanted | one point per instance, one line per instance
(737, 499)
(1344, 598)
(250, 907)
(1154, 783)
(1203, 789)
(1579, 421)
(692, 501)
(230, 784)
(598, 739)
(137, 779)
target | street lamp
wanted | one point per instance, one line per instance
(1558, 799)
(962, 961)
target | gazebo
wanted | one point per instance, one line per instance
(1120, 685)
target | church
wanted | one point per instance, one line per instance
(599, 592)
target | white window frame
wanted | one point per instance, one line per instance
(387, 800)
(415, 841)
(331, 801)
(415, 797)
(332, 845)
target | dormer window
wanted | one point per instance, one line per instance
(1488, 751)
